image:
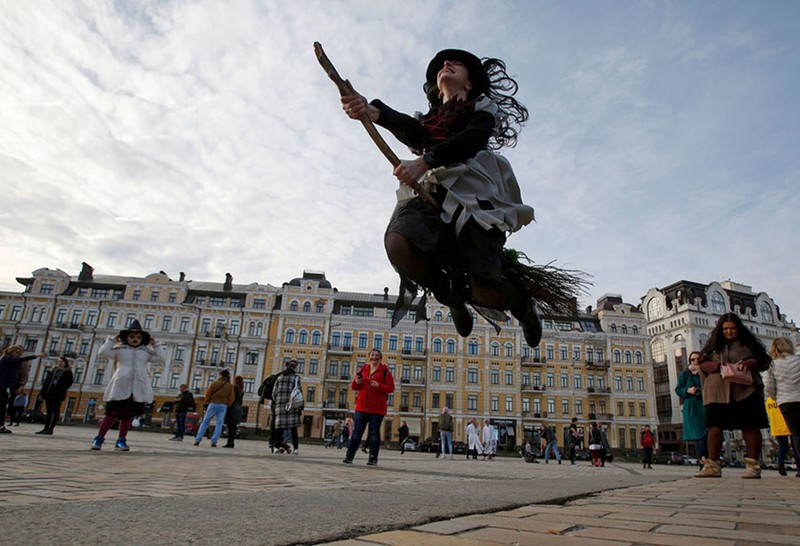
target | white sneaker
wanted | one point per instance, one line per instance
(296, 451)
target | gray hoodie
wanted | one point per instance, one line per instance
(782, 379)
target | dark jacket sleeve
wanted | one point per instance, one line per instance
(463, 145)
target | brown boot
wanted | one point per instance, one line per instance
(710, 469)
(753, 469)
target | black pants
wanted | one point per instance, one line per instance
(648, 456)
(5, 396)
(278, 434)
(53, 408)
(232, 423)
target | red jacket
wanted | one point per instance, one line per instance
(648, 439)
(373, 399)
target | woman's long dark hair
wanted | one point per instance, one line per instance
(716, 340)
(502, 89)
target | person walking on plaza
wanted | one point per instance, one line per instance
(648, 442)
(572, 439)
(781, 434)
(549, 435)
(605, 454)
(596, 445)
(130, 387)
(445, 433)
(13, 376)
(474, 446)
(233, 416)
(18, 406)
(54, 391)
(218, 397)
(184, 403)
(287, 417)
(690, 390)
(489, 439)
(336, 434)
(734, 401)
(402, 433)
(782, 382)
(373, 384)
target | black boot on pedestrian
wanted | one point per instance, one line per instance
(782, 469)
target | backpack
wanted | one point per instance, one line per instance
(265, 390)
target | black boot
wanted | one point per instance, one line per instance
(530, 323)
(445, 291)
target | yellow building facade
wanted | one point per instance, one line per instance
(593, 364)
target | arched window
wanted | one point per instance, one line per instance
(293, 306)
(628, 357)
(624, 328)
(703, 339)
(495, 349)
(437, 316)
(320, 307)
(449, 317)
(316, 337)
(766, 313)
(437, 345)
(655, 309)
(638, 357)
(617, 356)
(307, 307)
(289, 336)
(509, 349)
(472, 347)
(451, 346)
(717, 303)
(303, 337)
(613, 328)
(635, 330)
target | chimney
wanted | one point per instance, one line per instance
(182, 277)
(228, 286)
(86, 272)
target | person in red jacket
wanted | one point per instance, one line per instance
(373, 383)
(648, 441)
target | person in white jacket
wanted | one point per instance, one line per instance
(129, 388)
(782, 382)
(489, 438)
(474, 439)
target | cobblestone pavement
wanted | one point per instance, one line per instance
(54, 490)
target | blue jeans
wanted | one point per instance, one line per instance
(552, 444)
(446, 439)
(180, 424)
(360, 423)
(214, 410)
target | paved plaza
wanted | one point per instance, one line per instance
(54, 490)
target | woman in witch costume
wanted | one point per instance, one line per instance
(130, 388)
(456, 251)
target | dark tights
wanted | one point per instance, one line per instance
(752, 441)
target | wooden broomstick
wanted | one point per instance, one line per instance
(346, 89)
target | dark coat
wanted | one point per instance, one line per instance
(12, 372)
(280, 399)
(56, 385)
(234, 413)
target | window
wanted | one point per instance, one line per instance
(551, 405)
(47, 288)
(617, 356)
(307, 307)
(576, 353)
(154, 295)
(618, 382)
(472, 347)
(472, 375)
(509, 404)
(302, 338)
(205, 326)
(613, 328)
(98, 376)
(184, 325)
(495, 403)
(642, 409)
(551, 379)
(437, 376)
(392, 343)
(631, 410)
(509, 349)
(362, 341)
(196, 382)
(526, 405)
(336, 339)
(495, 377)
(638, 357)
(624, 329)
(550, 352)
(320, 307)
(435, 400)
(316, 337)
(437, 345)
(179, 352)
(293, 306)
(449, 376)
(472, 402)
(639, 384)
(173, 297)
(156, 379)
(564, 381)
(451, 346)
(578, 407)
(565, 406)
(717, 303)
(348, 340)
(166, 323)
(655, 309)
(112, 320)
(289, 336)
(577, 381)
(537, 406)
(628, 358)
(259, 303)
(378, 342)
(620, 408)
(765, 310)
(136, 295)
(563, 352)
(509, 377)
(148, 322)
(313, 365)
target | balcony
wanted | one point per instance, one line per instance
(601, 416)
(340, 349)
(209, 364)
(413, 381)
(598, 391)
(403, 409)
(597, 364)
(414, 355)
(337, 377)
(528, 360)
(70, 326)
(533, 388)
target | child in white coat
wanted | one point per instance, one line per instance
(129, 389)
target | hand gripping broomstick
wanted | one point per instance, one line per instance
(346, 89)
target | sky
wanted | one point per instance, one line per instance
(203, 137)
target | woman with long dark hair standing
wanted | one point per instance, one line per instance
(54, 391)
(732, 403)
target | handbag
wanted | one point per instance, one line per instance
(296, 398)
(736, 373)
